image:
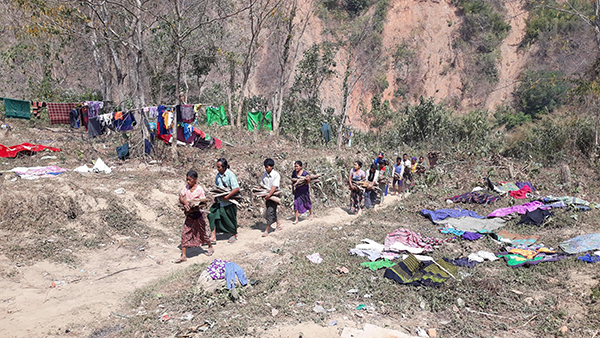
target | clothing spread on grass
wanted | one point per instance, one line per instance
(475, 197)
(581, 243)
(521, 193)
(506, 187)
(481, 255)
(372, 255)
(232, 271)
(464, 262)
(516, 260)
(535, 217)
(378, 264)
(531, 251)
(589, 258)
(19, 109)
(216, 269)
(516, 239)
(411, 271)
(440, 214)
(521, 209)
(471, 236)
(23, 147)
(33, 173)
(473, 224)
(568, 200)
(413, 239)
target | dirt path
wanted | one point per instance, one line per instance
(47, 299)
(512, 60)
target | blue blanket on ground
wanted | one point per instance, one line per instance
(440, 214)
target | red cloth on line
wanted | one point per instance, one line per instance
(521, 193)
(198, 132)
(59, 112)
(218, 144)
(27, 147)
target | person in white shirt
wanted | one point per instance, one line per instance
(271, 180)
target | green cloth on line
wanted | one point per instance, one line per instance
(216, 115)
(17, 109)
(256, 120)
(223, 218)
(378, 264)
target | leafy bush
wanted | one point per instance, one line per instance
(551, 140)
(482, 31)
(545, 20)
(541, 92)
(507, 117)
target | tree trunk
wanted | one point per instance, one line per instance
(99, 66)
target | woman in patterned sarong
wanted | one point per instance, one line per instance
(193, 233)
(301, 192)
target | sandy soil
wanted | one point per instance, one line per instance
(512, 60)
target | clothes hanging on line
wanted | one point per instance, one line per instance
(59, 112)
(36, 108)
(19, 109)
(74, 118)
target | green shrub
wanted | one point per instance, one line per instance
(507, 117)
(545, 20)
(541, 92)
(550, 140)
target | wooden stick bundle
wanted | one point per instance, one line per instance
(222, 192)
(262, 191)
(201, 203)
(316, 178)
(362, 186)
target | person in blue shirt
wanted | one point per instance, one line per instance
(223, 214)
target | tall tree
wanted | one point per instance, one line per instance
(290, 26)
(260, 12)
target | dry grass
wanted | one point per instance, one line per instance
(529, 301)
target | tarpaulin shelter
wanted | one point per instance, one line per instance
(17, 108)
(216, 115)
(256, 119)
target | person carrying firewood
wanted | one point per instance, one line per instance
(357, 193)
(271, 180)
(301, 192)
(223, 213)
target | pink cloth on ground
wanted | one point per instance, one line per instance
(521, 209)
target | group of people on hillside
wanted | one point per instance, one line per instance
(370, 187)
(223, 213)
(373, 185)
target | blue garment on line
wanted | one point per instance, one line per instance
(440, 214)
(187, 130)
(231, 271)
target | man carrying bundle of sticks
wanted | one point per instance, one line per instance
(271, 180)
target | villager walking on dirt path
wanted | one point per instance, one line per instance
(271, 181)
(193, 233)
(356, 193)
(223, 213)
(302, 201)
